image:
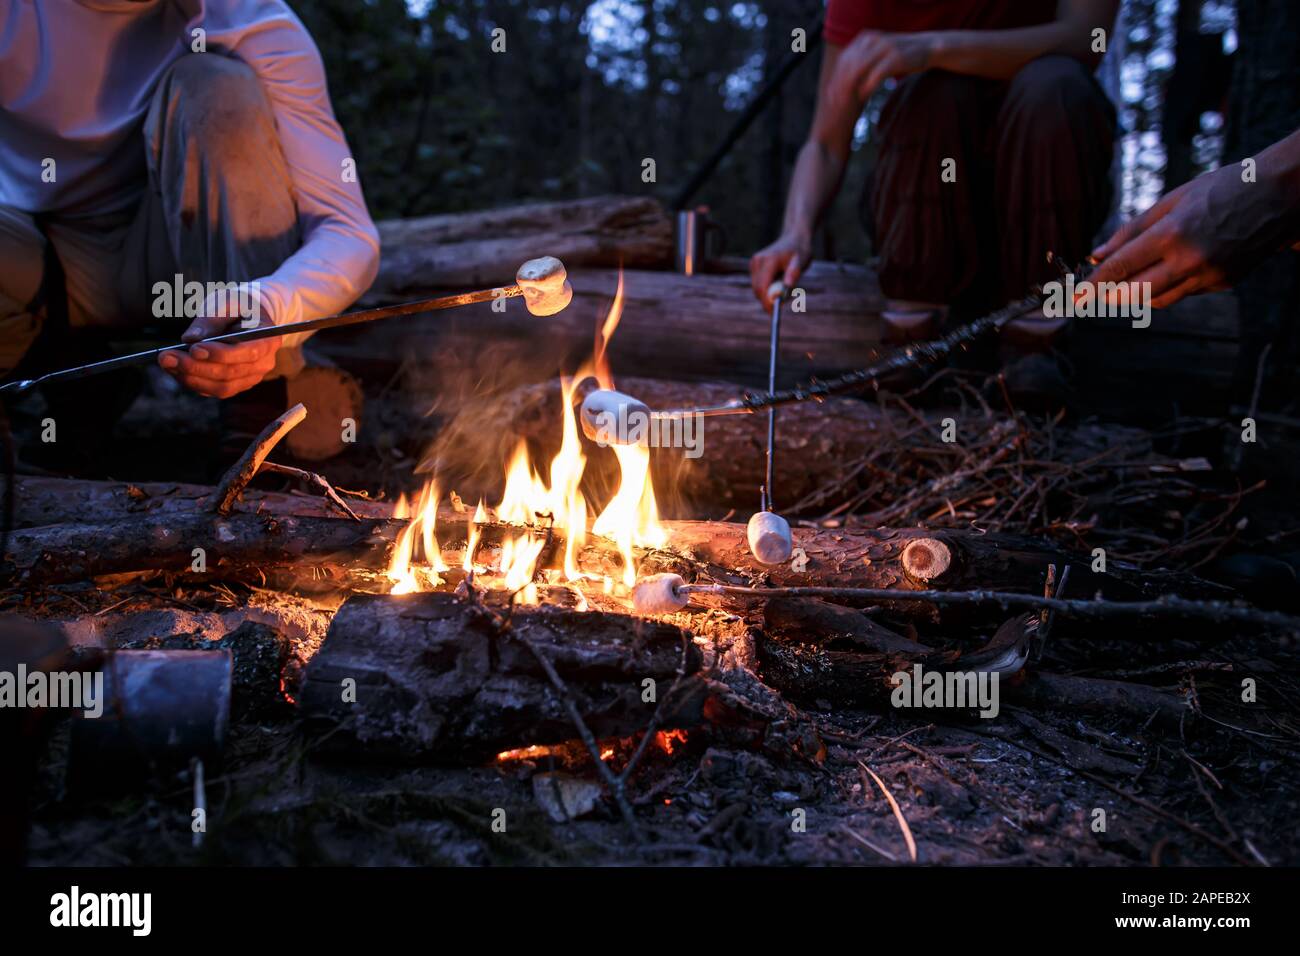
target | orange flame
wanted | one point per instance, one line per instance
(533, 501)
(599, 358)
(471, 538)
(400, 569)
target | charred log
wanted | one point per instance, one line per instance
(438, 678)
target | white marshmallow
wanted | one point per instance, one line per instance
(545, 286)
(660, 594)
(769, 537)
(606, 416)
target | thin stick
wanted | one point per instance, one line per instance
(234, 481)
(655, 717)
(898, 813)
(869, 845)
(311, 478)
(1220, 611)
(615, 784)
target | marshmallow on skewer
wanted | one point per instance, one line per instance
(769, 537)
(545, 285)
(606, 416)
(660, 594)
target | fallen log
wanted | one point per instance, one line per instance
(234, 547)
(834, 622)
(718, 471)
(48, 501)
(484, 248)
(1095, 696)
(437, 678)
(691, 328)
(817, 653)
(874, 559)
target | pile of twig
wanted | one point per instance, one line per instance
(1087, 484)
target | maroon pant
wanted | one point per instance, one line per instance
(1032, 161)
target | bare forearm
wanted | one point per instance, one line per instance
(816, 180)
(1000, 54)
(1278, 168)
(1281, 164)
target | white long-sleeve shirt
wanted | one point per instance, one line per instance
(77, 78)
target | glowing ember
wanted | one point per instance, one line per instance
(525, 753)
(667, 740)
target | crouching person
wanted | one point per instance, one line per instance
(149, 146)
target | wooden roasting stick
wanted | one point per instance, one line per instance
(665, 593)
(603, 410)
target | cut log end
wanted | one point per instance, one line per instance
(926, 559)
(334, 397)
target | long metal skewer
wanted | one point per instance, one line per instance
(915, 355)
(778, 293)
(270, 331)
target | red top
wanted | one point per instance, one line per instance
(845, 19)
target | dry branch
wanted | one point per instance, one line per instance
(235, 480)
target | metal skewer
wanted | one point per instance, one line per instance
(541, 301)
(777, 292)
(767, 533)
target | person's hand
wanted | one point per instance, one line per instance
(1197, 238)
(873, 57)
(784, 259)
(220, 370)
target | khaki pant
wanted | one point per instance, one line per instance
(215, 205)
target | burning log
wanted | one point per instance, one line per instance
(434, 677)
(156, 527)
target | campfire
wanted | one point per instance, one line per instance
(538, 503)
